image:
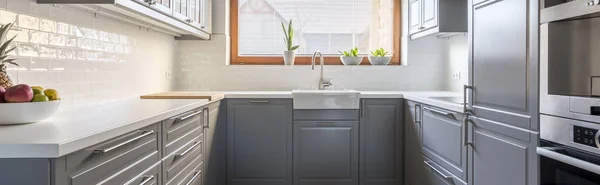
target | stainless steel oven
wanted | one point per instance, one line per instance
(569, 152)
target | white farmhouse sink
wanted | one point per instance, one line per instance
(326, 99)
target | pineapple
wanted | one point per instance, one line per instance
(5, 80)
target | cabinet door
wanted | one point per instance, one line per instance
(430, 13)
(502, 155)
(206, 16)
(325, 152)
(504, 63)
(214, 154)
(181, 9)
(414, 16)
(164, 6)
(381, 142)
(443, 140)
(259, 142)
(414, 170)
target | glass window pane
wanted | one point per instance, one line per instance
(324, 25)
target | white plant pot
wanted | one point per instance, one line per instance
(380, 60)
(289, 57)
(351, 60)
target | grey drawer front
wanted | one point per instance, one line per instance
(195, 177)
(174, 163)
(123, 150)
(437, 175)
(442, 139)
(181, 177)
(326, 115)
(176, 127)
(129, 172)
(173, 146)
(147, 177)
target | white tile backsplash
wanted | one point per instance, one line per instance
(89, 59)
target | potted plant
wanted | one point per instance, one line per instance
(289, 55)
(378, 57)
(5, 80)
(351, 57)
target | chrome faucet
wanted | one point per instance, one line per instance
(322, 82)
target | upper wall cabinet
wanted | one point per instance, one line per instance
(186, 19)
(427, 17)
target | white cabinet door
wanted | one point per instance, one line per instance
(414, 16)
(181, 9)
(165, 6)
(206, 16)
(430, 13)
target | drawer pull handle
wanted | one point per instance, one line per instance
(189, 116)
(326, 123)
(447, 114)
(196, 174)
(106, 150)
(147, 179)
(189, 149)
(206, 117)
(256, 101)
(438, 171)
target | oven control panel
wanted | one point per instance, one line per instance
(586, 136)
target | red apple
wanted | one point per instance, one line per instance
(2, 91)
(19, 94)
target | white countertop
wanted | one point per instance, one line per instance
(69, 131)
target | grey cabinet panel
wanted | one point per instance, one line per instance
(442, 140)
(326, 153)
(259, 142)
(381, 142)
(414, 170)
(499, 158)
(213, 137)
(504, 78)
(128, 173)
(25, 171)
(437, 175)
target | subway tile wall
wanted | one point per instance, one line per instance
(89, 59)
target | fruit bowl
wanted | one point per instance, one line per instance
(22, 113)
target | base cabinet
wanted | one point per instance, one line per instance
(259, 142)
(325, 152)
(381, 142)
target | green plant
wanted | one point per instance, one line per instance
(350, 53)
(5, 80)
(379, 52)
(289, 36)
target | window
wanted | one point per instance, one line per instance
(324, 25)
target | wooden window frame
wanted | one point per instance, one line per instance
(303, 59)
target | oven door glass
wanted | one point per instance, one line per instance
(554, 172)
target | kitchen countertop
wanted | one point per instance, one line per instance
(69, 131)
(73, 130)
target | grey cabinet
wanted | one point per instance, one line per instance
(325, 152)
(259, 141)
(214, 144)
(503, 116)
(502, 155)
(381, 142)
(443, 136)
(428, 17)
(414, 170)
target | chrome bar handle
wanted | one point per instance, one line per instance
(438, 171)
(447, 114)
(196, 174)
(415, 115)
(466, 109)
(362, 108)
(587, 166)
(189, 116)
(325, 123)
(189, 149)
(257, 101)
(147, 179)
(106, 150)
(206, 117)
(465, 130)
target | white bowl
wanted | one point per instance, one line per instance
(380, 60)
(22, 113)
(351, 60)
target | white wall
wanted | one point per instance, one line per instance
(105, 60)
(201, 65)
(457, 58)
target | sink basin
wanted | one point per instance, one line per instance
(457, 100)
(326, 99)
